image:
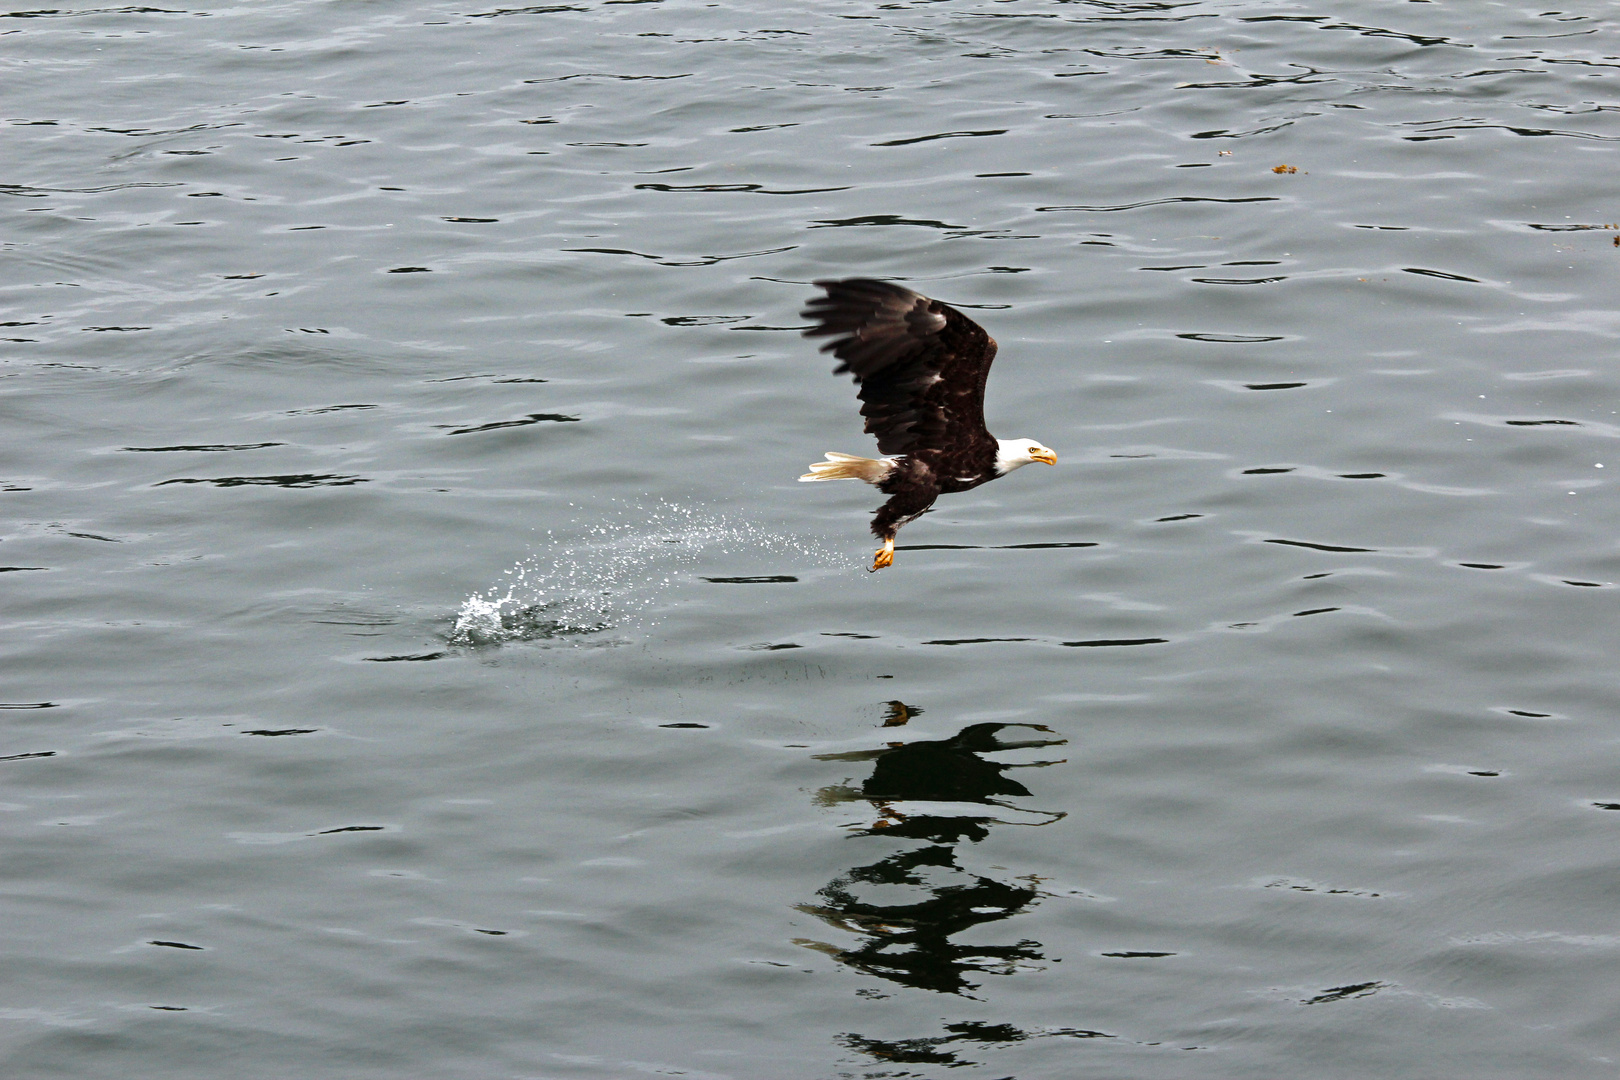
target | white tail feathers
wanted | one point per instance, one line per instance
(849, 467)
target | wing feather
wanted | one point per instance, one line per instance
(921, 365)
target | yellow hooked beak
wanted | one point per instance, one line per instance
(1041, 453)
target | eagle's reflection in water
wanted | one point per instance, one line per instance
(908, 905)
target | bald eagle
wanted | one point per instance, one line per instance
(921, 368)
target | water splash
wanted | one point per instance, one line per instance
(615, 576)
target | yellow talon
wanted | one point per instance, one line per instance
(884, 556)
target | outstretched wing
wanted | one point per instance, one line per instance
(921, 365)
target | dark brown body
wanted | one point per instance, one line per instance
(922, 476)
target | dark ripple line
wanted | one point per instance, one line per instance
(148, 132)
(705, 320)
(30, 192)
(532, 418)
(1320, 547)
(298, 480)
(866, 220)
(1031, 547)
(1364, 31)
(1154, 54)
(328, 409)
(1228, 133)
(998, 15)
(1257, 79)
(1528, 224)
(702, 260)
(1114, 642)
(491, 378)
(200, 448)
(942, 135)
(1438, 274)
(545, 9)
(1340, 993)
(52, 13)
(1569, 60)
(1152, 202)
(1547, 37)
(755, 189)
(1528, 132)
(974, 640)
(1496, 71)
(605, 75)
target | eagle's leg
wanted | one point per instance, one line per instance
(885, 554)
(912, 491)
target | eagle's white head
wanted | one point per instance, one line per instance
(1014, 453)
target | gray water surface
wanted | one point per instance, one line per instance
(420, 661)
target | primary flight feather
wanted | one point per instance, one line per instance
(921, 367)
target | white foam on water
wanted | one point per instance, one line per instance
(617, 572)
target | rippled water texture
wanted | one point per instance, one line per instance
(419, 659)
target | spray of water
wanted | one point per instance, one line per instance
(615, 574)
